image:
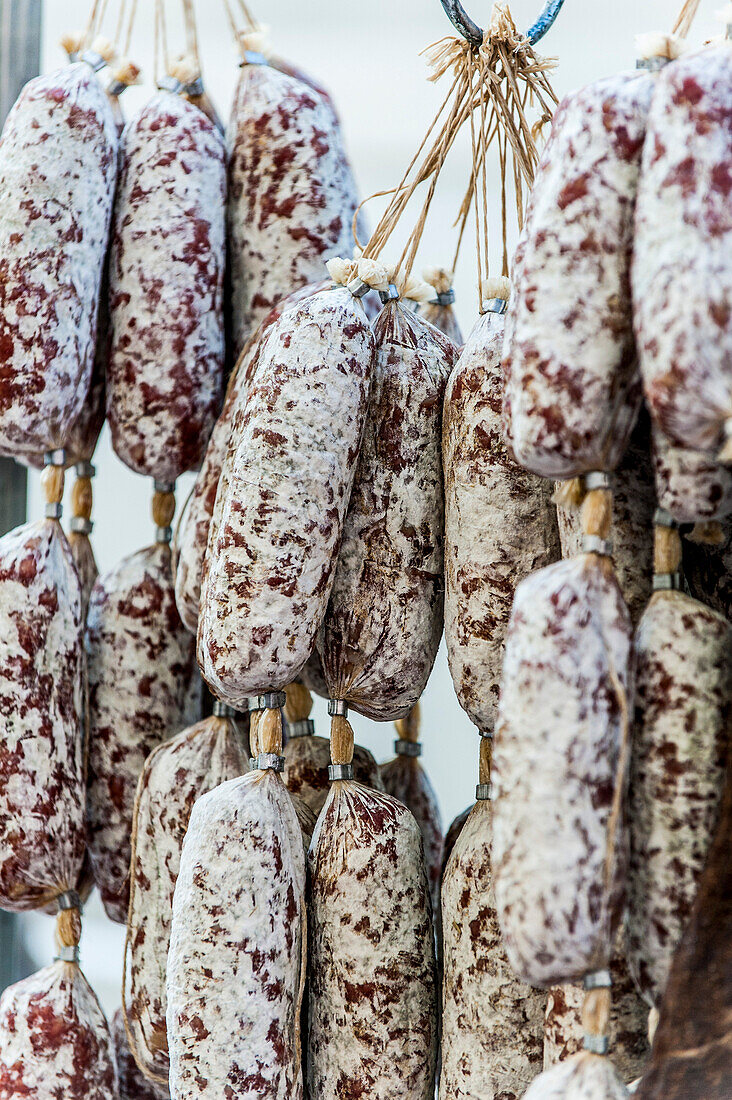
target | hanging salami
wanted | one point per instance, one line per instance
(42, 794)
(405, 779)
(175, 774)
(492, 1036)
(239, 909)
(192, 534)
(132, 1084)
(58, 163)
(500, 524)
(384, 619)
(681, 280)
(439, 310)
(143, 688)
(692, 1050)
(166, 289)
(291, 191)
(272, 558)
(371, 946)
(682, 739)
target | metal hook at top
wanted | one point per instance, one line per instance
(474, 35)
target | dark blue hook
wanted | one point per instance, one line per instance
(474, 35)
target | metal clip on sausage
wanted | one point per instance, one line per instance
(473, 34)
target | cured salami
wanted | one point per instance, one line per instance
(58, 163)
(708, 570)
(682, 287)
(132, 1084)
(692, 1050)
(452, 834)
(291, 192)
(371, 954)
(384, 620)
(628, 1031)
(143, 688)
(54, 1039)
(239, 910)
(690, 486)
(439, 310)
(634, 502)
(166, 289)
(272, 558)
(682, 739)
(572, 387)
(492, 1036)
(42, 794)
(405, 779)
(175, 774)
(192, 535)
(583, 1077)
(500, 523)
(559, 842)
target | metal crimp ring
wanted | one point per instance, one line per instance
(593, 544)
(663, 518)
(252, 763)
(169, 83)
(340, 771)
(67, 954)
(53, 510)
(84, 469)
(94, 59)
(163, 486)
(652, 64)
(596, 1044)
(195, 87)
(253, 57)
(304, 728)
(389, 295)
(668, 582)
(163, 534)
(495, 305)
(486, 734)
(81, 525)
(598, 979)
(69, 899)
(484, 792)
(116, 87)
(55, 458)
(358, 288)
(268, 700)
(597, 479)
(338, 707)
(223, 710)
(269, 761)
(407, 748)
(444, 298)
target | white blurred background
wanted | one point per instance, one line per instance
(367, 54)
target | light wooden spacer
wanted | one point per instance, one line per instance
(486, 759)
(82, 498)
(163, 506)
(667, 551)
(341, 740)
(299, 703)
(408, 728)
(52, 484)
(270, 733)
(597, 513)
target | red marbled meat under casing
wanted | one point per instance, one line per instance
(58, 165)
(166, 289)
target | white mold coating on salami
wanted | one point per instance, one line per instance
(235, 967)
(682, 285)
(371, 952)
(572, 389)
(166, 289)
(404, 778)
(54, 1039)
(175, 775)
(272, 559)
(558, 886)
(500, 523)
(192, 534)
(634, 503)
(690, 485)
(492, 1036)
(58, 163)
(306, 769)
(682, 738)
(384, 619)
(291, 193)
(143, 688)
(584, 1077)
(132, 1084)
(42, 796)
